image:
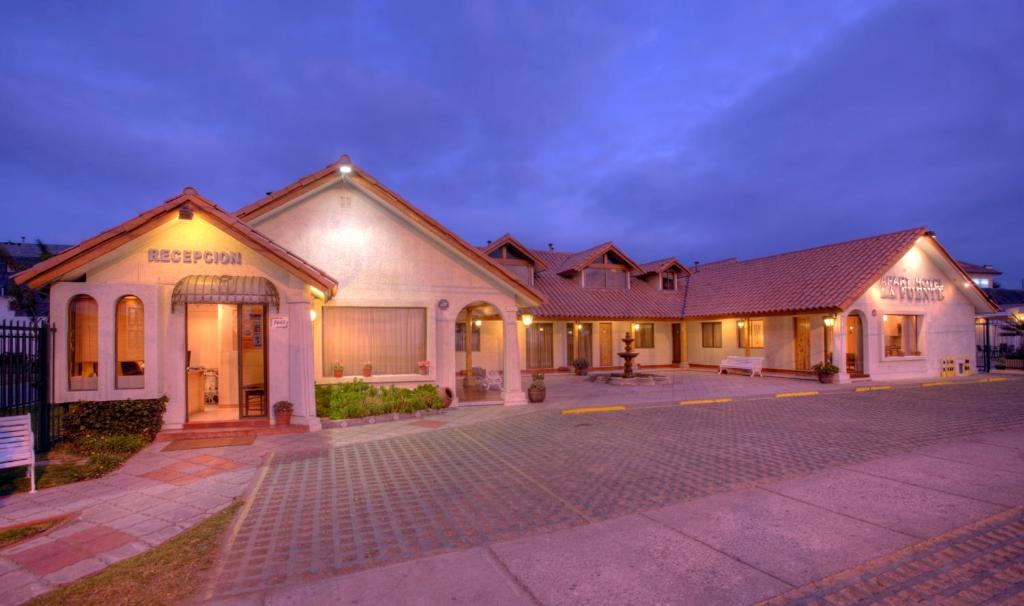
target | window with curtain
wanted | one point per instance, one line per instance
(83, 343)
(392, 339)
(540, 345)
(755, 330)
(645, 336)
(668, 281)
(579, 342)
(460, 337)
(596, 277)
(130, 344)
(711, 334)
(901, 335)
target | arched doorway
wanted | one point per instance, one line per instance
(855, 344)
(480, 353)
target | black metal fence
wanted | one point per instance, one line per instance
(25, 364)
(999, 345)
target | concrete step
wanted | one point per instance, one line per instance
(227, 432)
(250, 423)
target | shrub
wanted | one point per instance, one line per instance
(359, 399)
(124, 417)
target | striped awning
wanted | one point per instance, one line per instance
(225, 289)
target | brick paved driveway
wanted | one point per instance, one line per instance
(355, 506)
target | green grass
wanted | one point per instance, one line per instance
(11, 536)
(169, 574)
(103, 454)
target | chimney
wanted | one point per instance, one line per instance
(551, 246)
(696, 266)
(489, 242)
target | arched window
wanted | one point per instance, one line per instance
(83, 345)
(130, 336)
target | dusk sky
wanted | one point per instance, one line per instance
(699, 130)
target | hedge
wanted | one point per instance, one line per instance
(115, 417)
(359, 399)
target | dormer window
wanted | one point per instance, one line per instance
(605, 277)
(515, 262)
(668, 280)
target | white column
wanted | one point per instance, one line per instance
(301, 375)
(513, 378)
(174, 361)
(445, 369)
(839, 348)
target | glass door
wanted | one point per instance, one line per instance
(252, 360)
(854, 345)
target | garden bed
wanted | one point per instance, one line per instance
(385, 418)
(359, 400)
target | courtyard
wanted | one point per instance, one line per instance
(762, 497)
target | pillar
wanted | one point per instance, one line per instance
(685, 358)
(446, 369)
(839, 347)
(301, 374)
(513, 378)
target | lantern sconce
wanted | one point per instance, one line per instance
(830, 321)
(527, 319)
(636, 326)
(741, 323)
(312, 315)
(478, 322)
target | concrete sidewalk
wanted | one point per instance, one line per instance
(741, 547)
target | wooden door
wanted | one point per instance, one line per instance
(605, 336)
(677, 343)
(802, 343)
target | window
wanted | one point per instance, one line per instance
(460, 337)
(645, 336)
(982, 282)
(598, 277)
(579, 342)
(540, 341)
(392, 339)
(752, 328)
(901, 335)
(668, 281)
(130, 344)
(83, 346)
(711, 334)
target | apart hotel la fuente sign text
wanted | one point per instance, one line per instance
(207, 257)
(916, 289)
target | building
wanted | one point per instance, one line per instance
(232, 311)
(15, 256)
(982, 275)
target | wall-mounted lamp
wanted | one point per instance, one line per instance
(579, 326)
(527, 319)
(885, 317)
(312, 315)
(741, 324)
(345, 165)
(636, 326)
(830, 321)
(478, 322)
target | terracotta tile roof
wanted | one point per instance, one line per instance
(974, 268)
(507, 239)
(653, 267)
(824, 278)
(76, 256)
(576, 262)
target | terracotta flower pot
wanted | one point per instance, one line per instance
(338, 373)
(823, 378)
(536, 394)
(367, 372)
(284, 418)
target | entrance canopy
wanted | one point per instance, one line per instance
(225, 289)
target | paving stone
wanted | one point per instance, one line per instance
(16, 578)
(20, 595)
(75, 571)
(123, 552)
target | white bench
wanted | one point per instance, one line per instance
(754, 364)
(16, 445)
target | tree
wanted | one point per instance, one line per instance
(24, 300)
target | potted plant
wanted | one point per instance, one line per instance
(367, 370)
(537, 391)
(424, 367)
(826, 371)
(339, 370)
(283, 412)
(581, 365)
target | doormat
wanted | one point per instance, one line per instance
(194, 443)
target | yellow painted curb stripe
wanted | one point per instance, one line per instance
(577, 411)
(707, 401)
(936, 383)
(795, 394)
(992, 380)
(873, 388)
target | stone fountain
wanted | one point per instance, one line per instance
(629, 375)
(627, 357)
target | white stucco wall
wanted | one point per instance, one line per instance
(127, 270)
(381, 259)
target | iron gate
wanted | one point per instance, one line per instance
(25, 378)
(1000, 345)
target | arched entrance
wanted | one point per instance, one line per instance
(480, 353)
(855, 344)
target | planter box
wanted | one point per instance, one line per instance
(328, 423)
